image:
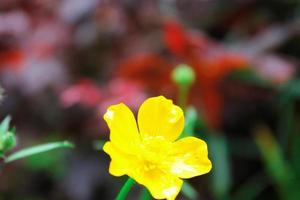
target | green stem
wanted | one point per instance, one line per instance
(125, 189)
(182, 96)
(145, 195)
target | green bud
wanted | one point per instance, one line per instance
(183, 75)
(7, 136)
(10, 141)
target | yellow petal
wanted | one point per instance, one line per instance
(123, 128)
(161, 185)
(120, 163)
(188, 158)
(159, 117)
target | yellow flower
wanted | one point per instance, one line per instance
(148, 153)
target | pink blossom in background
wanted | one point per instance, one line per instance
(84, 92)
(121, 91)
(274, 68)
(15, 23)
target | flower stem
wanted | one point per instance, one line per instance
(182, 96)
(145, 195)
(125, 189)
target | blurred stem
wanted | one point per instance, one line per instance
(145, 195)
(125, 189)
(183, 95)
(37, 150)
(286, 124)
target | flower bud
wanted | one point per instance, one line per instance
(7, 136)
(183, 75)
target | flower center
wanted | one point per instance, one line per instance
(153, 151)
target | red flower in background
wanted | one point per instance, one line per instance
(210, 72)
(150, 70)
(179, 41)
(211, 63)
(11, 58)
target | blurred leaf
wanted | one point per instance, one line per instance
(98, 144)
(9, 140)
(286, 121)
(38, 149)
(248, 75)
(289, 91)
(50, 161)
(188, 191)
(190, 122)
(7, 137)
(243, 148)
(272, 155)
(4, 126)
(251, 188)
(295, 147)
(277, 168)
(221, 175)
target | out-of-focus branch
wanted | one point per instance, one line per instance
(270, 38)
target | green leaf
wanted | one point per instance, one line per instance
(7, 137)
(272, 155)
(243, 148)
(290, 90)
(188, 191)
(277, 167)
(190, 122)
(221, 174)
(9, 140)
(98, 144)
(251, 188)
(4, 126)
(295, 148)
(248, 75)
(38, 149)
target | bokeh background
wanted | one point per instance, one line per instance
(62, 62)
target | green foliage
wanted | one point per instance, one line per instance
(190, 122)
(37, 150)
(277, 166)
(98, 144)
(7, 136)
(251, 188)
(8, 142)
(249, 76)
(289, 91)
(188, 191)
(221, 174)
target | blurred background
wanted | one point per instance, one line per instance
(63, 62)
